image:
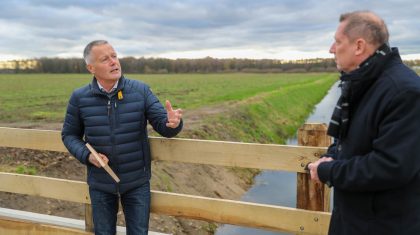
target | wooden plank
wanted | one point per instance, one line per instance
(241, 213)
(53, 220)
(312, 195)
(262, 156)
(218, 210)
(68, 190)
(18, 227)
(233, 154)
(88, 218)
(89, 227)
(31, 139)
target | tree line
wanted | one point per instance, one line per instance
(163, 65)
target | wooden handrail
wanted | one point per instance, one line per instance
(232, 154)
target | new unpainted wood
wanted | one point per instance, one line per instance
(18, 227)
(88, 218)
(233, 154)
(312, 195)
(210, 209)
(68, 190)
(102, 163)
(255, 215)
(31, 139)
(263, 156)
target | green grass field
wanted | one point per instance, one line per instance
(43, 97)
(273, 116)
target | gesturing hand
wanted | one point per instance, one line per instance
(174, 116)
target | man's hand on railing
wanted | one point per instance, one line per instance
(313, 168)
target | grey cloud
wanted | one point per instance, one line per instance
(137, 28)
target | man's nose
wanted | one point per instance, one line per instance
(112, 61)
(332, 48)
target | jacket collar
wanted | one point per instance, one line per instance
(356, 83)
(96, 90)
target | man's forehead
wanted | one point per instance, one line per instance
(340, 30)
(104, 48)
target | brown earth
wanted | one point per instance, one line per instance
(202, 180)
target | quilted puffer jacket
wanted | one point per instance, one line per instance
(115, 125)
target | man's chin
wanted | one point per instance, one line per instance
(116, 76)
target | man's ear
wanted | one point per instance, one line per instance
(360, 46)
(90, 68)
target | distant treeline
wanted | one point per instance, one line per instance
(162, 65)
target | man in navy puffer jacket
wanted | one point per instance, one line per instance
(111, 114)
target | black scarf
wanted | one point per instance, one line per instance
(353, 86)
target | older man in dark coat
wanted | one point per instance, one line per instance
(374, 163)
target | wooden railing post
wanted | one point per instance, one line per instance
(311, 195)
(88, 218)
(88, 213)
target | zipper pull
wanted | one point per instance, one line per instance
(109, 107)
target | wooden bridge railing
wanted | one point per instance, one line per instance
(233, 154)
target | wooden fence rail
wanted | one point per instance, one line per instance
(262, 156)
(234, 154)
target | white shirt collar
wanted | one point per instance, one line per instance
(104, 90)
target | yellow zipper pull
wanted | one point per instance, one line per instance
(120, 95)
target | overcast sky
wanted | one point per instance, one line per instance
(287, 29)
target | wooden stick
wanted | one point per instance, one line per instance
(102, 163)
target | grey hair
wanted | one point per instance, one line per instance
(366, 25)
(88, 49)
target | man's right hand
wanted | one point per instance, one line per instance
(313, 168)
(95, 162)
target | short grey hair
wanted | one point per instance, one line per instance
(366, 25)
(88, 49)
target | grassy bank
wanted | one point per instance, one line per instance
(43, 97)
(269, 117)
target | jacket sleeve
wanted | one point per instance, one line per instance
(394, 160)
(331, 151)
(157, 116)
(73, 129)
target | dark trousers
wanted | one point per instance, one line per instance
(136, 207)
